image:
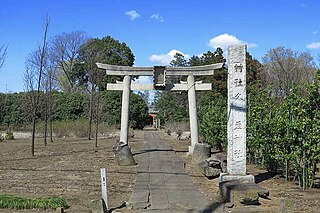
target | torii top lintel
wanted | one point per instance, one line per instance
(148, 71)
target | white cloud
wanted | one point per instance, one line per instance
(165, 59)
(157, 17)
(132, 14)
(224, 40)
(144, 80)
(314, 45)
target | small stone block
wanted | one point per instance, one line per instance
(228, 205)
(208, 171)
(201, 152)
(239, 192)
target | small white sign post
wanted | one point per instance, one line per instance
(104, 187)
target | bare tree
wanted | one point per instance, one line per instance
(94, 77)
(64, 50)
(3, 54)
(36, 64)
(283, 68)
(48, 84)
(97, 117)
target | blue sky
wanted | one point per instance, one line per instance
(155, 30)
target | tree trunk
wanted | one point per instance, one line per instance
(90, 112)
(97, 117)
(50, 106)
(33, 133)
(42, 55)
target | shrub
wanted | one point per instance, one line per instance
(15, 202)
(9, 135)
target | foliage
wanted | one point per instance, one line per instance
(106, 50)
(69, 106)
(9, 135)
(284, 67)
(285, 135)
(15, 202)
(14, 109)
(138, 111)
(64, 49)
(213, 123)
(172, 107)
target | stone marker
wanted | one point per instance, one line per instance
(236, 157)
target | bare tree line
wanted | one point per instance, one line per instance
(51, 67)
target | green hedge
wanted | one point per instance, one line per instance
(15, 202)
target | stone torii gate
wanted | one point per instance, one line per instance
(159, 74)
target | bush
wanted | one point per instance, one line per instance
(9, 135)
(14, 202)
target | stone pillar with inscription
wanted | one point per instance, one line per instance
(236, 156)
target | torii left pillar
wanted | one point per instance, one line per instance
(192, 113)
(122, 150)
(125, 110)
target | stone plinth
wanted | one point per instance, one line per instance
(240, 193)
(242, 178)
(123, 154)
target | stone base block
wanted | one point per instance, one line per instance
(123, 155)
(240, 193)
(241, 178)
(190, 149)
(209, 172)
(201, 152)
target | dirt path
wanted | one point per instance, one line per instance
(284, 196)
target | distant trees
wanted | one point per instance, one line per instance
(68, 61)
(16, 112)
(106, 50)
(64, 50)
(283, 68)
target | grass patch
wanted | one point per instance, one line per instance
(15, 202)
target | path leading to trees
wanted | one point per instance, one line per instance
(162, 185)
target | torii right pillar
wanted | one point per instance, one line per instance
(236, 128)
